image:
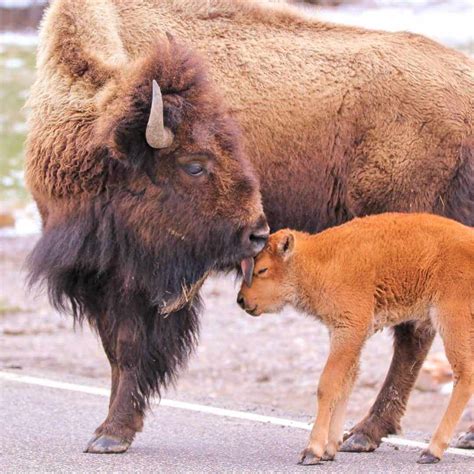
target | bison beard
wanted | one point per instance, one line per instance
(95, 267)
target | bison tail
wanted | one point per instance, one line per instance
(458, 201)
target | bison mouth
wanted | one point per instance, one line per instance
(238, 250)
(247, 266)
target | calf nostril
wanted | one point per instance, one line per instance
(240, 300)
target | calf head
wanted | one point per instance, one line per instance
(266, 287)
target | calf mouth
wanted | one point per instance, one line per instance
(252, 311)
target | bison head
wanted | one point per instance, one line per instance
(180, 183)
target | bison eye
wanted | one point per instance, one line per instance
(262, 271)
(194, 169)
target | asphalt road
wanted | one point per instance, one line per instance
(44, 429)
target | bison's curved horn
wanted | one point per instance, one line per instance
(157, 135)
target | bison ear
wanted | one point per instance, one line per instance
(286, 244)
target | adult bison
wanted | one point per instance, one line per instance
(142, 195)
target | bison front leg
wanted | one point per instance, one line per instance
(125, 418)
(411, 345)
(145, 351)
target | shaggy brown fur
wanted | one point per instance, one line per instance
(129, 233)
(365, 275)
(338, 122)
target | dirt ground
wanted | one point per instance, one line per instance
(270, 363)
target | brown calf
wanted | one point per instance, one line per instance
(363, 276)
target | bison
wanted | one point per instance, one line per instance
(145, 162)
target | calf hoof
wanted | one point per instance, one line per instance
(106, 444)
(358, 443)
(427, 458)
(328, 457)
(466, 441)
(308, 458)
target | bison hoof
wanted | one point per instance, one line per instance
(466, 441)
(427, 458)
(358, 443)
(106, 444)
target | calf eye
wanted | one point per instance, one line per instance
(262, 271)
(194, 169)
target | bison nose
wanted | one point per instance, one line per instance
(241, 300)
(259, 237)
(256, 236)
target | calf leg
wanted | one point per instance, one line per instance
(332, 392)
(455, 330)
(336, 427)
(411, 346)
(466, 440)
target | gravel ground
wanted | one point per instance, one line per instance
(273, 361)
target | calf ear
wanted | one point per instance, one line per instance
(286, 245)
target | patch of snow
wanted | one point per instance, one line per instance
(8, 181)
(20, 127)
(27, 222)
(18, 39)
(21, 3)
(448, 22)
(447, 388)
(13, 63)
(19, 175)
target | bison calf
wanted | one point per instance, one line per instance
(363, 276)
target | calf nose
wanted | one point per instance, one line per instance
(240, 300)
(256, 236)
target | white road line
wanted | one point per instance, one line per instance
(103, 392)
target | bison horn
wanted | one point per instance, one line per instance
(157, 135)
